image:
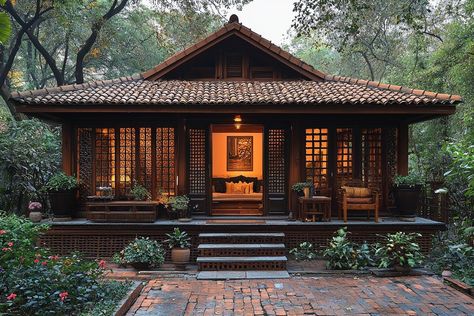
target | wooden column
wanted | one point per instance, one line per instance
(402, 155)
(181, 156)
(67, 141)
(295, 165)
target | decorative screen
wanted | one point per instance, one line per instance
(145, 160)
(197, 161)
(127, 160)
(344, 148)
(104, 157)
(165, 160)
(316, 157)
(371, 146)
(85, 158)
(276, 161)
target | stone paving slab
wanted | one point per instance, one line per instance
(238, 275)
(333, 295)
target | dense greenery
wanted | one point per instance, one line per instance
(33, 281)
(178, 239)
(304, 252)
(399, 249)
(142, 250)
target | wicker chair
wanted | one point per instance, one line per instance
(355, 196)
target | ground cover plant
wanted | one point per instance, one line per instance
(33, 281)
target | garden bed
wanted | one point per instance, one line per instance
(126, 303)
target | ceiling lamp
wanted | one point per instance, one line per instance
(238, 121)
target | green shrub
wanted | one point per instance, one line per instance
(299, 186)
(142, 250)
(35, 282)
(342, 254)
(140, 193)
(304, 252)
(178, 203)
(399, 249)
(410, 180)
(61, 182)
(178, 239)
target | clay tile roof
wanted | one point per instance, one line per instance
(334, 90)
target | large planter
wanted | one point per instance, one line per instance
(407, 200)
(63, 204)
(180, 255)
(35, 216)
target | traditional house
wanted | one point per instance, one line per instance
(232, 108)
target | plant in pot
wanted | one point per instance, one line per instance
(179, 205)
(302, 188)
(142, 254)
(140, 193)
(61, 190)
(407, 192)
(399, 251)
(35, 209)
(179, 243)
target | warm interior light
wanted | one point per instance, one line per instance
(237, 119)
(237, 126)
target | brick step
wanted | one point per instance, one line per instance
(239, 275)
(242, 263)
(241, 238)
(236, 250)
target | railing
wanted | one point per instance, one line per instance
(435, 206)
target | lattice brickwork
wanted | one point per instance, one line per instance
(276, 161)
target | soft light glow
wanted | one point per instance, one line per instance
(237, 119)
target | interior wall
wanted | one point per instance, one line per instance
(219, 156)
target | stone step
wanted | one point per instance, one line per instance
(242, 263)
(239, 275)
(233, 250)
(241, 238)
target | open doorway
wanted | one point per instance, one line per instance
(237, 169)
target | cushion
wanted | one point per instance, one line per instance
(237, 179)
(239, 187)
(229, 187)
(219, 185)
(359, 200)
(251, 185)
(357, 192)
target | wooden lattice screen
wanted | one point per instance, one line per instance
(85, 159)
(126, 162)
(344, 158)
(145, 160)
(198, 168)
(165, 160)
(371, 157)
(276, 171)
(104, 158)
(316, 157)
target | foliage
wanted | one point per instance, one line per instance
(60, 182)
(453, 250)
(342, 254)
(5, 26)
(304, 252)
(114, 292)
(410, 180)
(31, 154)
(178, 239)
(399, 249)
(299, 187)
(35, 282)
(462, 165)
(143, 250)
(139, 192)
(178, 203)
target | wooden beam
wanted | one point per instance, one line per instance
(402, 156)
(67, 135)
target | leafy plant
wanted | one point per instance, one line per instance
(178, 203)
(60, 182)
(410, 180)
(178, 239)
(300, 186)
(399, 249)
(341, 254)
(140, 193)
(143, 250)
(304, 252)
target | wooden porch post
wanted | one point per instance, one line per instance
(402, 157)
(181, 156)
(67, 141)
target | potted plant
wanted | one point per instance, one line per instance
(61, 190)
(142, 254)
(399, 251)
(35, 214)
(179, 205)
(302, 188)
(407, 192)
(179, 243)
(140, 193)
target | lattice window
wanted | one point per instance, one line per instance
(145, 173)
(165, 161)
(371, 157)
(127, 159)
(85, 158)
(276, 161)
(316, 157)
(197, 161)
(104, 157)
(344, 164)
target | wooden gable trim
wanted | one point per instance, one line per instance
(244, 33)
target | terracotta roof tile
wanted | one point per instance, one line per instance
(339, 90)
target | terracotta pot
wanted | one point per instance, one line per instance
(35, 217)
(180, 255)
(306, 192)
(140, 265)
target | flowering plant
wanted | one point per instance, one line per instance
(35, 207)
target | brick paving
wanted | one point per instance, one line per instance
(328, 295)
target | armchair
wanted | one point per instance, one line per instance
(358, 198)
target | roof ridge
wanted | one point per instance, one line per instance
(74, 86)
(396, 88)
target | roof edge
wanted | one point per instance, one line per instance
(454, 98)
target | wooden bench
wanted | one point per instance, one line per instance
(122, 211)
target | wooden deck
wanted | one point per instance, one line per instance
(101, 240)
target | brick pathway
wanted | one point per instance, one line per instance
(329, 295)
